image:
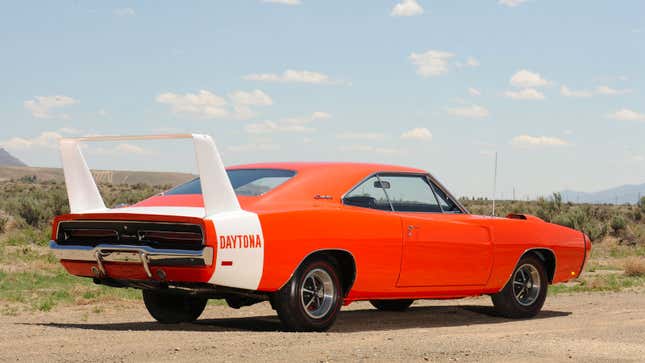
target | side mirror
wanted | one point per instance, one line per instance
(382, 184)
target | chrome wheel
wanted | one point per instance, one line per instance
(317, 293)
(526, 284)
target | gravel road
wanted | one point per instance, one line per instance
(579, 327)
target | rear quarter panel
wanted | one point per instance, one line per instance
(512, 238)
(372, 237)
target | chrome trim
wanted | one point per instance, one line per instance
(405, 173)
(144, 255)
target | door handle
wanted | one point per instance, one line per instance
(411, 228)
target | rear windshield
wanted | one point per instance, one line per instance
(246, 182)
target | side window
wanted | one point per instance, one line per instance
(410, 193)
(369, 194)
(447, 204)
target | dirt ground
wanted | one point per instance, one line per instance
(579, 327)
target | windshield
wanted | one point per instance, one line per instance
(246, 182)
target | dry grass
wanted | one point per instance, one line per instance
(635, 266)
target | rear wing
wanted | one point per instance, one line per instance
(84, 195)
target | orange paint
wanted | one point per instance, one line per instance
(397, 254)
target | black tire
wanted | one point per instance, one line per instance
(392, 305)
(169, 308)
(511, 302)
(295, 313)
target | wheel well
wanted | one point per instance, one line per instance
(345, 262)
(547, 257)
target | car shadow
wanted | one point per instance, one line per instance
(348, 321)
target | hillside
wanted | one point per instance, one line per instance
(102, 176)
(9, 160)
(625, 194)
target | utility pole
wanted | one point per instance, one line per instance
(495, 183)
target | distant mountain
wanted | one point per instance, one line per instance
(619, 195)
(7, 159)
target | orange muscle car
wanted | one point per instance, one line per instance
(308, 237)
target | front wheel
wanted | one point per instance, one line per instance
(169, 308)
(311, 300)
(525, 292)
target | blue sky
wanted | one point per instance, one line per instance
(555, 87)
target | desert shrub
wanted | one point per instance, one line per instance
(635, 266)
(641, 204)
(618, 223)
(4, 220)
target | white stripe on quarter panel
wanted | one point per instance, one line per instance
(240, 241)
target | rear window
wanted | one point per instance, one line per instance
(246, 182)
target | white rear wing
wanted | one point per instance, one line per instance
(84, 195)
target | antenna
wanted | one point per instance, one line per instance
(495, 183)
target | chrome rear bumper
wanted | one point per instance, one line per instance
(143, 255)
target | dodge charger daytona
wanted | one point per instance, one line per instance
(307, 237)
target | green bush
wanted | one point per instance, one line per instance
(618, 223)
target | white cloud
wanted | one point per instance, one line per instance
(253, 98)
(371, 149)
(293, 76)
(431, 62)
(120, 149)
(361, 136)
(407, 8)
(418, 133)
(565, 91)
(528, 141)
(293, 125)
(600, 90)
(627, 115)
(470, 62)
(474, 92)
(124, 12)
(242, 102)
(527, 79)
(203, 104)
(208, 105)
(283, 2)
(253, 147)
(46, 139)
(42, 106)
(473, 111)
(511, 3)
(319, 115)
(525, 94)
(606, 90)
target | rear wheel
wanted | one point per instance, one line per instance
(171, 308)
(392, 305)
(310, 301)
(524, 294)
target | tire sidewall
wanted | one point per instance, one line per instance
(291, 309)
(514, 307)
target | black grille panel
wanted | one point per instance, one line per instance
(154, 234)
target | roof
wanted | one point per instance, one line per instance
(321, 178)
(304, 166)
